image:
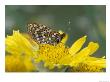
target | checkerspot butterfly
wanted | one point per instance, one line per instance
(43, 34)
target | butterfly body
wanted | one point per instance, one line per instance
(43, 34)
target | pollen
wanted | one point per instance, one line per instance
(53, 54)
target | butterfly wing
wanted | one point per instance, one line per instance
(43, 34)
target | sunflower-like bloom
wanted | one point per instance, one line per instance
(74, 58)
(19, 53)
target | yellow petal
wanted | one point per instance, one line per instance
(17, 44)
(64, 40)
(77, 45)
(80, 57)
(18, 64)
(14, 64)
(29, 64)
(100, 62)
(93, 47)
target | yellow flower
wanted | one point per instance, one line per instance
(74, 57)
(51, 55)
(18, 64)
(19, 44)
(24, 54)
(14, 64)
(21, 51)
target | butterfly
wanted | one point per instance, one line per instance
(43, 34)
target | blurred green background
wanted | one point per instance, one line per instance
(75, 20)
